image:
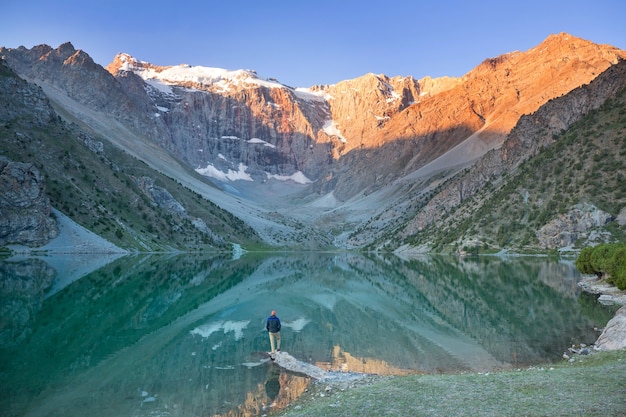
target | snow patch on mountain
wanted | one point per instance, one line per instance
(211, 171)
(262, 142)
(310, 95)
(331, 129)
(230, 175)
(241, 174)
(155, 85)
(297, 177)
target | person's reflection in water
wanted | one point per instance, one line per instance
(272, 385)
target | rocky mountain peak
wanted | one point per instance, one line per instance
(42, 63)
(67, 55)
(564, 44)
(431, 86)
(125, 62)
(66, 48)
(363, 105)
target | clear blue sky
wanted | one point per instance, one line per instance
(302, 43)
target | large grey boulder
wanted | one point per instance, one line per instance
(614, 335)
(567, 228)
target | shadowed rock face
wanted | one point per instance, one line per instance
(24, 205)
(564, 230)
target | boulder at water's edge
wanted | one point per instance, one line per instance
(613, 336)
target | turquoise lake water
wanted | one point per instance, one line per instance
(184, 335)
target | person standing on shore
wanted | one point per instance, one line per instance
(273, 327)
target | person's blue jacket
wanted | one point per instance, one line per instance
(273, 324)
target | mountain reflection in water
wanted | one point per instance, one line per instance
(185, 335)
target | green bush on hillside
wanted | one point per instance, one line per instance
(605, 260)
(601, 258)
(583, 262)
(618, 274)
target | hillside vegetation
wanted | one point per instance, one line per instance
(584, 165)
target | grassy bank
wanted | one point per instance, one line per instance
(593, 385)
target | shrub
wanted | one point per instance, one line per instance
(605, 259)
(601, 258)
(617, 270)
(583, 262)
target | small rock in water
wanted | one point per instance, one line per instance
(606, 299)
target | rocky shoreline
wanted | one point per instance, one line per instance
(613, 336)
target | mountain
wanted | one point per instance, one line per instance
(370, 162)
(556, 181)
(48, 163)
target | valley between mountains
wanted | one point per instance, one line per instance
(523, 153)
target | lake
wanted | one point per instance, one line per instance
(184, 335)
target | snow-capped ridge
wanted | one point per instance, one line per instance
(189, 75)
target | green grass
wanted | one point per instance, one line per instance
(593, 385)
